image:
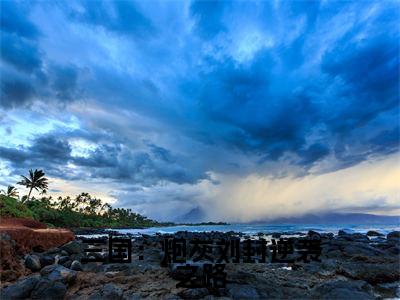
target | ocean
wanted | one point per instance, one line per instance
(253, 229)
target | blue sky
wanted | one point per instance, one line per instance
(167, 106)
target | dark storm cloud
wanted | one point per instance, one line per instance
(251, 116)
(45, 151)
(26, 73)
(13, 19)
(65, 82)
(146, 168)
(308, 79)
(21, 53)
(369, 70)
(15, 92)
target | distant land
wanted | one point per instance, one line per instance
(197, 215)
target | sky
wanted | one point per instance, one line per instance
(243, 110)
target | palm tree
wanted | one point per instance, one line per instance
(10, 192)
(35, 181)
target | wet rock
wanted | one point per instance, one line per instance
(109, 291)
(46, 260)
(389, 290)
(76, 266)
(48, 289)
(374, 233)
(314, 235)
(197, 293)
(359, 237)
(59, 273)
(242, 291)
(394, 235)
(61, 260)
(67, 264)
(370, 272)
(328, 235)
(340, 289)
(21, 289)
(394, 249)
(32, 262)
(342, 233)
(53, 250)
(178, 273)
(276, 235)
(357, 248)
(73, 247)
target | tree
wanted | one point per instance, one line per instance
(10, 192)
(35, 181)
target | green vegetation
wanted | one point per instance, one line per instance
(35, 181)
(10, 207)
(11, 191)
(81, 211)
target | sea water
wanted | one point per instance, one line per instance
(253, 229)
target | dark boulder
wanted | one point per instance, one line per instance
(46, 260)
(61, 260)
(21, 289)
(313, 235)
(109, 291)
(59, 273)
(73, 247)
(197, 293)
(32, 262)
(374, 233)
(394, 235)
(341, 289)
(48, 289)
(242, 291)
(372, 273)
(76, 266)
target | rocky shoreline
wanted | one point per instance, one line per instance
(353, 266)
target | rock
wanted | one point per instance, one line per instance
(178, 273)
(32, 262)
(67, 264)
(48, 289)
(371, 272)
(21, 289)
(61, 260)
(342, 233)
(73, 247)
(340, 289)
(276, 235)
(395, 249)
(46, 260)
(59, 273)
(359, 237)
(374, 233)
(242, 291)
(197, 293)
(76, 266)
(109, 291)
(53, 250)
(393, 235)
(314, 235)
